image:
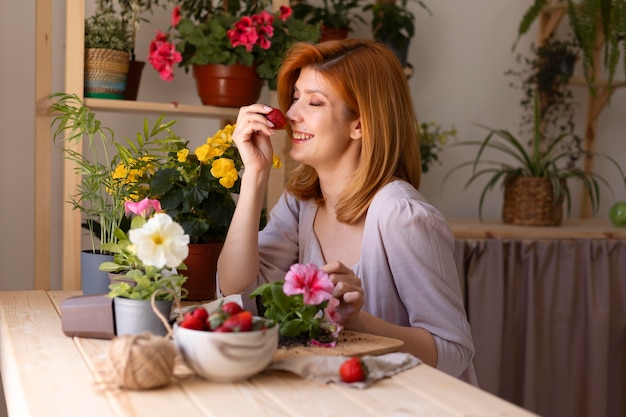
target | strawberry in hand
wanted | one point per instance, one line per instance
(353, 370)
(278, 118)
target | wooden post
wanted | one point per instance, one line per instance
(43, 144)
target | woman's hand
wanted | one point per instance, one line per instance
(348, 291)
(252, 137)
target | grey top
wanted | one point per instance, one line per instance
(407, 266)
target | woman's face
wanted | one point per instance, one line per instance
(323, 137)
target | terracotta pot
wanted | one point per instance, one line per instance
(201, 268)
(331, 34)
(135, 68)
(227, 85)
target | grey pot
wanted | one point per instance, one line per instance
(137, 316)
(92, 280)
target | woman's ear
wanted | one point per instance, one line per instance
(355, 129)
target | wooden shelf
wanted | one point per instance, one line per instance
(570, 229)
(142, 107)
(74, 77)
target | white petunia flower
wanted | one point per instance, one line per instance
(160, 242)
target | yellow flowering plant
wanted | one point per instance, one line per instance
(111, 171)
(196, 188)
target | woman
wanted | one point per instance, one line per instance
(352, 206)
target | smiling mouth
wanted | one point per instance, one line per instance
(300, 137)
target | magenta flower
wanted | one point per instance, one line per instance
(163, 55)
(244, 33)
(313, 283)
(143, 208)
(175, 16)
(285, 12)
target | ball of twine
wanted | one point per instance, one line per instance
(143, 361)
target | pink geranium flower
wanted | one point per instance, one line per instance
(285, 12)
(313, 283)
(175, 16)
(162, 56)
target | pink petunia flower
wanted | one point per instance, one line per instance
(142, 208)
(313, 283)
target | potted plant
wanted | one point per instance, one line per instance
(554, 150)
(591, 21)
(107, 52)
(432, 138)
(334, 16)
(233, 35)
(132, 14)
(303, 305)
(535, 182)
(107, 170)
(548, 71)
(196, 189)
(147, 269)
(394, 25)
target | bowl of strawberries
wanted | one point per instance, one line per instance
(226, 343)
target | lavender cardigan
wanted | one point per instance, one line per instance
(407, 266)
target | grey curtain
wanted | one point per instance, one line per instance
(549, 322)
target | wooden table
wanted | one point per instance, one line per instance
(45, 373)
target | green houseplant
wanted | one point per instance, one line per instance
(550, 158)
(590, 21)
(147, 259)
(107, 53)
(335, 16)
(231, 32)
(546, 162)
(433, 137)
(132, 13)
(394, 24)
(196, 188)
(108, 169)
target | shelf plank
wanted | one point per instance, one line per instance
(127, 106)
(570, 229)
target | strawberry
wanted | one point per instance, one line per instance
(200, 313)
(353, 370)
(240, 322)
(215, 320)
(231, 308)
(191, 322)
(278, 118)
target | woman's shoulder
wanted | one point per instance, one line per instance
(395, 192)
(399, 201)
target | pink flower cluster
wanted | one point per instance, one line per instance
(316, 287)
(163, 56)
(257, 29)
(143, 208)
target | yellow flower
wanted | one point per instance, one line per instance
(224, 169)
(182, 155)
(276, 162)
(120, 171)
(206, 152)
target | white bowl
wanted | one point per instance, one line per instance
(227, 357)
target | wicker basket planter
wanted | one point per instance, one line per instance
(529, 201)
(105, 73)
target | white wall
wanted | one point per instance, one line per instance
(459, 54)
